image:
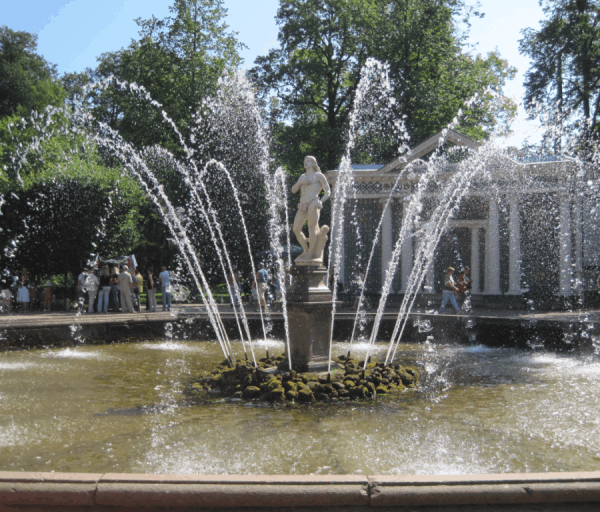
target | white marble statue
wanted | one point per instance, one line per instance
(310, 184)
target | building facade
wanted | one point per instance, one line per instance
(528, 231)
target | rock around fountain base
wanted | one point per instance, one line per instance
(349, 381)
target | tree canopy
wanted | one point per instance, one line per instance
(177, 60)
(313, 76)
(27, 81)
(565, 69)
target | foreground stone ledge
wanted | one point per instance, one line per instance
(87, 492)
(227, 491)
(504, 489)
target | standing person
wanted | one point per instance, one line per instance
(104, 286)
(91, 286)
(165, 282)
(114, 282)
(262, 278)
(126, 288)
(449, 291)
(151, 292)
(23, 293)
(139, 288)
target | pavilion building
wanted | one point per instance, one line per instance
(529, 231)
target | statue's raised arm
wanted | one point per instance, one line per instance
(310, 185)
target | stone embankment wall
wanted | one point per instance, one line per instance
(48, 335)
(96, 492)
(555, 331)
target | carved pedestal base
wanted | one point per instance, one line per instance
(309, 313)
(313, 256)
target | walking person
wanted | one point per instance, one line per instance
(449, 291)
(104, 290)
(165, 282)
(126, 289)
(91, 286)
(151, 292)
(262, 278)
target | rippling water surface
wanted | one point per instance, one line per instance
(120, 408)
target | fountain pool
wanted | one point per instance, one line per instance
(121, 408)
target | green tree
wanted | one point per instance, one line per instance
(434, 71)
(565, 55)
(187, 63)
(178, 61)
(315, 73)
(51, 227)
(27, 81)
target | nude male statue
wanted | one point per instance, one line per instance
(310, 184)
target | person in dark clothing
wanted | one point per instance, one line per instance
(104, 290)
(151, 292)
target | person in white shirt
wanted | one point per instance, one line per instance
(91, 286)
(126, 287)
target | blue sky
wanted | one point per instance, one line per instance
(72, 34)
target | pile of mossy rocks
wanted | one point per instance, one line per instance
(349, 381)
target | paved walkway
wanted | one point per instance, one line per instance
(38, 319)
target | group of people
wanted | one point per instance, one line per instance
(454, 290)
(126, 288)
(26, 292)
(261, 286)
(96, 287)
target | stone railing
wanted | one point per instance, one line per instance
(90, 492)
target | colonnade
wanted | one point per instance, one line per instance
(569, 260)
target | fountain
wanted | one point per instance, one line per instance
(309, 298)
(477, 409)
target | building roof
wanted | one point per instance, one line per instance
(446, 135)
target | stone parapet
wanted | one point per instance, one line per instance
(91, 492)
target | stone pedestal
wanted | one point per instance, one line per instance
(309, 313)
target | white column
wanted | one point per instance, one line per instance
(337, 241)
(407, 248)
(492, 251)
(475, 272)
(578, 258)
(386, 239)
(566, 272)
(429, 279)
(514, 248)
